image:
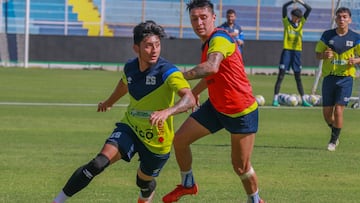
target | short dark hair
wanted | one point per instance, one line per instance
(297, 12)
(230, 11)
(200, 4)
(146, 29)
(343, 10)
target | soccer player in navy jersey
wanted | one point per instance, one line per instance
(147, 126)
(339, 48)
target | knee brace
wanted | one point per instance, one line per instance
(96, 166)
(146, 187)
(248, 174)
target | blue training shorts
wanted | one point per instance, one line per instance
(290, 58)
(128, 144)
(214, 121)
(336, 90)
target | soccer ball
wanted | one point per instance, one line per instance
(292, 100)
(283, 98)
(260, 100)
(315, 100)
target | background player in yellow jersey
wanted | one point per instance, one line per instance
(147, 126)
(340, 49)
(292, 47)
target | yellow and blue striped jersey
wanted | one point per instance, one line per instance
(152, 90)
(293, 35)
(343, 47)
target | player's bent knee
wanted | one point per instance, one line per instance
(97, 165)
(146, 187)
(178, 142)
(248, 174)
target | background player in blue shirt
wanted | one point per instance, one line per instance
(233, 28)
(147, 127)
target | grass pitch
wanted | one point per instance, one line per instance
(49, 126)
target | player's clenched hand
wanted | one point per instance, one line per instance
(158, 117)
(103, 106)
(328, 54)
(353, 61)
(197, 103)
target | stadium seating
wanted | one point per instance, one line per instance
(46, 17)
(270, 18)
(122, 17)
(49, 17)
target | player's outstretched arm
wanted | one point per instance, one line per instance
(120, 90)
(209, 67)
(285, 6)
(199, 87)
(307, 8)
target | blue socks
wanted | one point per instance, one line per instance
(187, 179)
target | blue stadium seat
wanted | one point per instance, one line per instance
(45, 11)
(51, 29)
(121, 31)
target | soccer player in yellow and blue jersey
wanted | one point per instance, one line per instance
(231, 105)
(147, 127)
(292, 47)
(339, 49)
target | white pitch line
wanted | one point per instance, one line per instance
(290, 107)
(120, 105)
(299, 107)
(51, 104)
(125, 105)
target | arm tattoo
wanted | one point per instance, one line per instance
(206, 68)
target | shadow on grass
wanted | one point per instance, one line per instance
(266, 146)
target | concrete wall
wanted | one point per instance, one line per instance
(267, 53)
(51, 48)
